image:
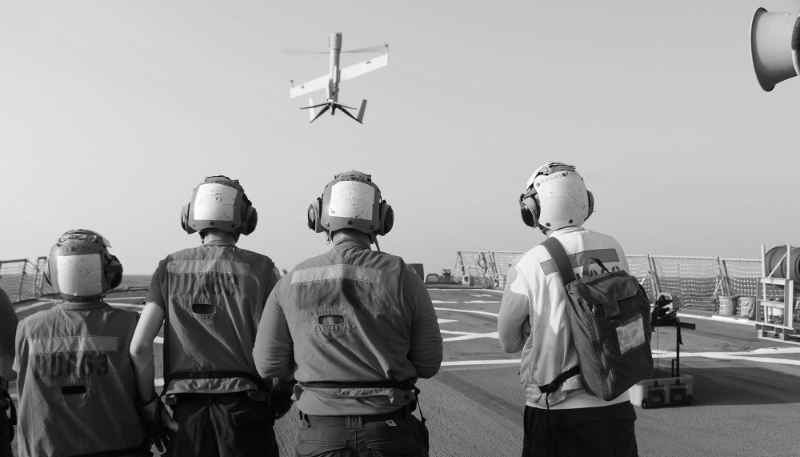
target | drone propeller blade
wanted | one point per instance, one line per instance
(378, 48)
(320, 112)
(339, 105)
(315, 106)
(300, 52)
(351, 116)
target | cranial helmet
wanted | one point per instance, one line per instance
(79, 265)
(556, 197)
(351, 201)
(220, 203)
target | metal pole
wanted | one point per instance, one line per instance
(21, 282)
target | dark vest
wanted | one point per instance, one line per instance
(215, 296)
(76, 382)
(347, 317)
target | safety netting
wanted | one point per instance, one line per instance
(742, 276)
(639, 267)
(474, 268)
(18, 279)
(696, 280)
(502, 260)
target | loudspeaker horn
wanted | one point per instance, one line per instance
(774, 42)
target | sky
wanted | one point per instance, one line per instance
(112, 112)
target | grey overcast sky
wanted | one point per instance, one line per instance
(111, 113)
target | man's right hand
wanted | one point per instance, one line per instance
(158, 422)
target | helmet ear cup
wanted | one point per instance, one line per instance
(529, 209)
(314, 216)
(591, 205)
(113, 272)
(250, 221)
(185, 220)
(387, 218)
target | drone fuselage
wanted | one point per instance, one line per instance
(336, 74)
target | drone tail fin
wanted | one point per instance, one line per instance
(361, 110)
(311, 113)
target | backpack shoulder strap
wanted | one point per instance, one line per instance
(559, 256)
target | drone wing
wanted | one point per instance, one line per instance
(364, 67)
(311, 86)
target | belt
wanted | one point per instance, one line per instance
(398, 414)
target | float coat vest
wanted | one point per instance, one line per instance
(215, 297)
(349, 325)
(77, 387)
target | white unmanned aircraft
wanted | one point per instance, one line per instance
(335, 75)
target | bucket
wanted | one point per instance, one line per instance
(747, 306)
(501, 282)
(727, 305)
(777, 315)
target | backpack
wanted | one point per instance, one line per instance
(609, 314)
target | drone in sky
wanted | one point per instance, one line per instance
(330, 82)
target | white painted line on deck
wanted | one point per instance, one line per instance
(481, 362)
(487, 313)
(446, 321)
(127, 305)
(719, 318)
(746, 356)
(469, 336)
(482, 295)
(482, 301)
(440, 302)
(124, 298)
(32, 305)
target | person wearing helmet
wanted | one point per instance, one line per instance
(210, 299)
(355, 329)
(8, 328)
(533, 319)
(77, 388)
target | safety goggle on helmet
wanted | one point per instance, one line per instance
(555, 197)
(79, 265)
(351, 201)
(220, 203)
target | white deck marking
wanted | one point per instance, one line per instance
(446, 321)
(481, 301)
(482, 295)
(486, 313)
(469, 335)
(127, 305)
(746, 356)
(124, 298)
(481, 362)
(34, 305)
(440, 302)
(714, 317)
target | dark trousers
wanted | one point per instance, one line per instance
(393, 434)
(606, 431)
(223, 425)
(5, 435)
